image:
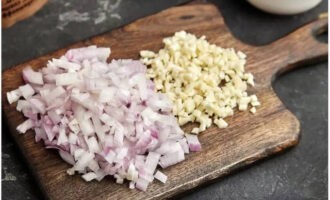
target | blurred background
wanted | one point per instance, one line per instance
(299, 173)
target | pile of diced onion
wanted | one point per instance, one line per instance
(103, 118)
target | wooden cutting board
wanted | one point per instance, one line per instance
(247, 139)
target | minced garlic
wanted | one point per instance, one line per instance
(204, 82)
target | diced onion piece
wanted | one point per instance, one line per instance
(38, 105)
(63, 138)
(83, 160)
(74, 126)
(131, 185)
(171, 159)
(78, 153)
(89, 176)
(31, 76)
(66, 79)
(14, 95)
(64, 64)
(26, 91)
(88, 53)
(40, 134)
(184, 145)
(93, 145)
(98, 128)
(67, 157)
(161, 177)
(56, 92)
(119, 180)
(142, 184)
(152, 162)
(73, 138)
(132, 173)
(193, 142)
(26, 125)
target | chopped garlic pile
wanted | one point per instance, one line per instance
(204, 82)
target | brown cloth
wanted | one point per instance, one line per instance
(17, 10)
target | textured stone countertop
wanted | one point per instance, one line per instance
(299, 173)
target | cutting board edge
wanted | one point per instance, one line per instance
(15, 135)
(258, 157)
(236, 167)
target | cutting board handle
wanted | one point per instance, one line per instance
(298, 48)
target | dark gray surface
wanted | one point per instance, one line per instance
(299, 173)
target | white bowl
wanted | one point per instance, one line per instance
(285, 7)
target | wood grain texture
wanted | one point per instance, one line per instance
(247, 139)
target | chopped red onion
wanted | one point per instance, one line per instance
(31, 76)
(142, 184)
(161, 177)
(26, 125)
(26, 90)
(14, 95)
(193, 142)
(131, 185)
(67, 157)
(103, 118)
(171, 158)
(89, 176)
